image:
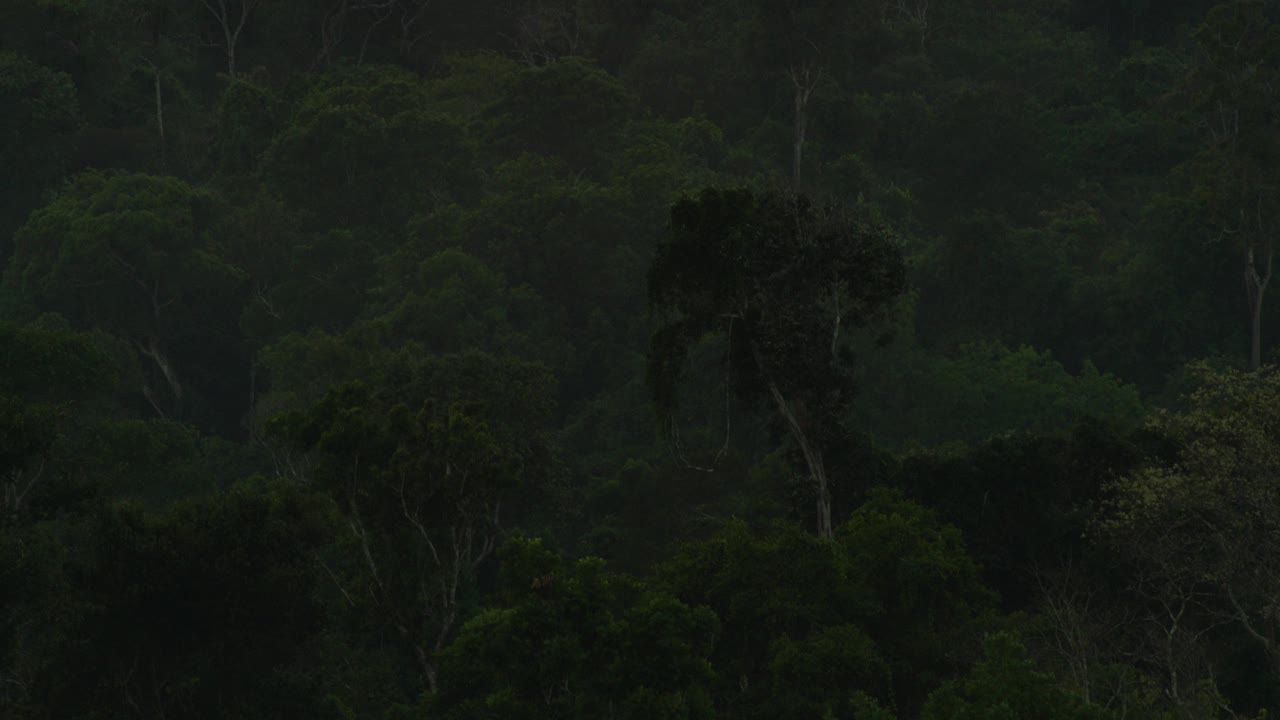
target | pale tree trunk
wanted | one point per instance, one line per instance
(915, 12)
(231, 24)
(812, 454)
(1265, 635)
(813, 460)
(470, 544)
(804, 78)
(1256, 284)
(155, 352)
(19, 485)
(160, 116)
(159, 95)
(429, 674)
(332, 29)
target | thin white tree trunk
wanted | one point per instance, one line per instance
(1256, 283)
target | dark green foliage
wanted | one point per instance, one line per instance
(130, 254)
(914, 274)
(422, 495)
(39, 125)
(383, 152)
(566, 109)
(778, 278)
(1005, 685)
(1023, 502)
(193, 611)
(48, 376)
(929, 596)
(781, 277)
(248, 115)
(570, 640)
(888, 610)
(782, 585)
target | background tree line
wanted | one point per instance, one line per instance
(662, 359)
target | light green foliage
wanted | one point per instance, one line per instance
(1203, 524)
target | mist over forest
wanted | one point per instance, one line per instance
(639, 359)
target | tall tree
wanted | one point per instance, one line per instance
(1234, 88)
(231, 19)
(130, 254)
(1200, 531)
(801, 38)
(421, 497)
(779, 278)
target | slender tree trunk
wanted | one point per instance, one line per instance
(1255, 346)
(428, 670)
(797, 143)
(232, 25)
(803, 80)
(153, 350)
(332, 27)
(250, 426)
(160, 116)
(812, 454)
(1256, 284)
(813, 460)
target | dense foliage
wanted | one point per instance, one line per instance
(860, 359)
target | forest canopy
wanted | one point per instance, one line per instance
(861, 359)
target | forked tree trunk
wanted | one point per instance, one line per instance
(231, 21)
